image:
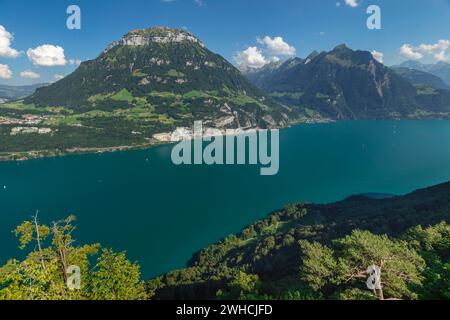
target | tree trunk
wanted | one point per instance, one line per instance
(60, 248)
(38, 238)
(380, 293)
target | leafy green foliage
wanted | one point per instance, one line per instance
(347, 261)
(43, 274)
(318, 264)
(433, 243)
(116, 278)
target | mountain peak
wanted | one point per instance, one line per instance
(341, 47)
(312, 55)
(159, 35)
(159, 31)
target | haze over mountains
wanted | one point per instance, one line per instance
(417, 77)
(18, 92)
(440, 69)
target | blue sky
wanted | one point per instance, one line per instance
(226, 26)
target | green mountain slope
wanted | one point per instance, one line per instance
(170, 70)
(269, 252)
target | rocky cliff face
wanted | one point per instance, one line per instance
(155, 35)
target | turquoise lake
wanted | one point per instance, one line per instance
(161, 214)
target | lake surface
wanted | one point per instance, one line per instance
(161, 214)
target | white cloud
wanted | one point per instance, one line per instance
(378, 56)
(275, 59)
(252, 57)
(58, 77)
(277, 46)
(440, 46)
(437, 51)
(352, 3)
(47, 55)
(5, 44)
(29, 74)
(409, 52)
(75, 61)
(442, 57)
(5, 72)
(259, 56)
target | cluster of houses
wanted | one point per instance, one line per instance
(26, 124)
(23, 130)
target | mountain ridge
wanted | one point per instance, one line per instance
(349, 84)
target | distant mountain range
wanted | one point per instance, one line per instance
(440, 69)
(417, 77)
(348, 84)
(18, 92)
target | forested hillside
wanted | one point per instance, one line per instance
(47, 270)
(309, 251)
